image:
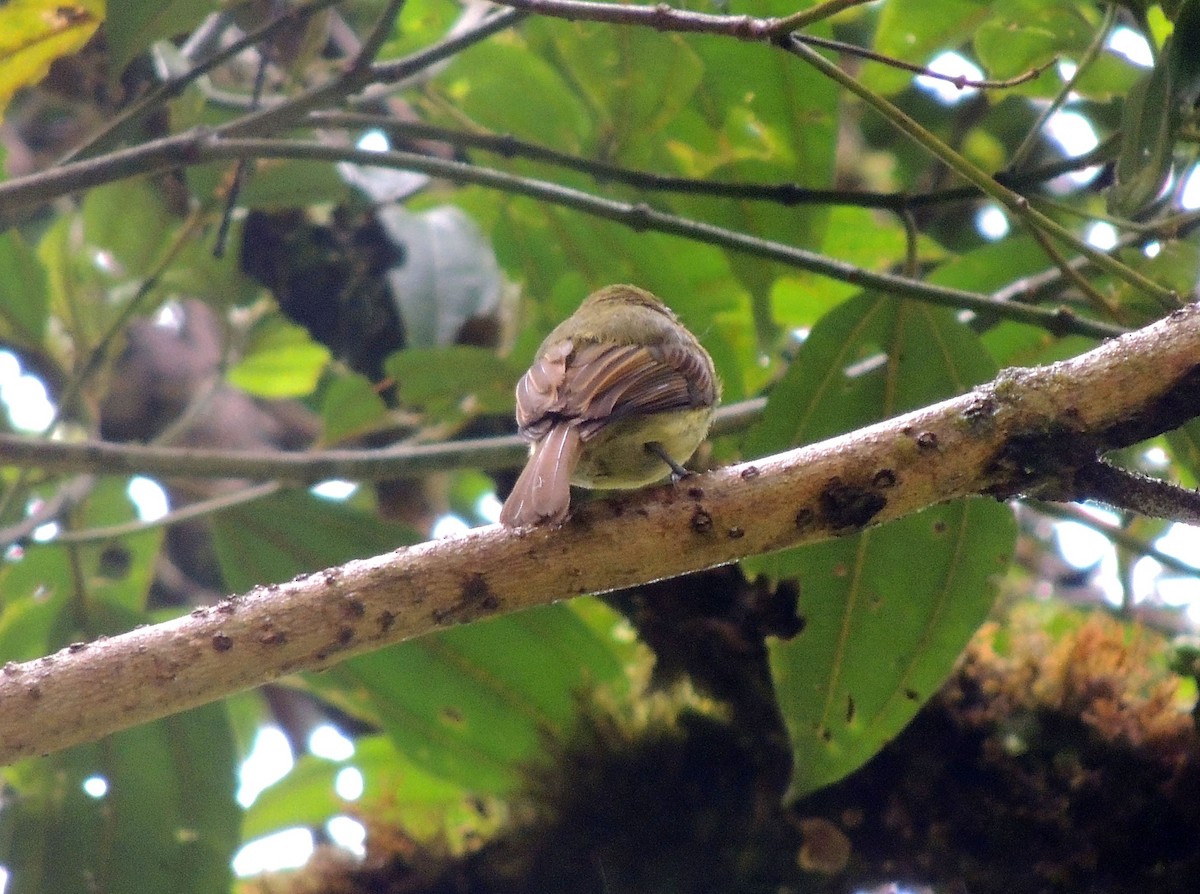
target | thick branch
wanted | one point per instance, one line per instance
(980, 443)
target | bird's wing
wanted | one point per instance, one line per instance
(540, 391)
(599, 383)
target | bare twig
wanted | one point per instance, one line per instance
(199, 509)
(787, 194)
(1114, 533)
(274, 119)
(197, 148)
(68, 495)
(815, 13)
(1124, 489)
(378, 35)
(379, 464)
(174, 86)
(1015, 202)
(959, 81)
(1089, 55)
(1070, 272)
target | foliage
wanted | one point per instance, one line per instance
(354, 305)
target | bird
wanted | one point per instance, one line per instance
(620, 394)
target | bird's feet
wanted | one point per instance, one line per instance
(678, 472)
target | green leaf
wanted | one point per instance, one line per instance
(867, 359)
(639, 81)
(423, 22)
(860, 236)
(468, 704)
(351, 406)
(1110, 76)
(167, 821)
(281, 360)
(776, 123)
(24, 293)
(1175, 264)
(1149, 123)
(37, 588)
(505, 88)
(1024, 34)
(916, 31)
(993, 266)
(135, 24)
(395, 791)
(445, 381)
(476, 703)
(294, 533)
(887, 614)
(96, 258)
(881, 630)
(129, 223)
(33, 33)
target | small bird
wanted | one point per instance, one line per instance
(620, 394)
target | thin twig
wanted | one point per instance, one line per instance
(379, 34)
(912, 235)
(1089, 55)
(1035, 287)
(641, 217)
(198, 147)
(240, 169)
(1090, 292)
(378, 464)
(173, 86)
(1017, 203)
(198, 509)
(959, 81)
(816, 13)
(69, 494)
(1115, 533)
(787, 194)
(273, 119)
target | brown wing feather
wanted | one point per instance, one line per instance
(598, 383)
(543, 490)
(613, 382)
(539, 393)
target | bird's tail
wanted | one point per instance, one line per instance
(542, 493)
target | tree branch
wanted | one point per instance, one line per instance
(1124, 489)
(786, 194)
(174, 85)
(1012, 435)
(199, 147)
(1015, 202)
(377, 464)
(1115, 534)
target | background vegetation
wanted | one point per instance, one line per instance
(265, 227)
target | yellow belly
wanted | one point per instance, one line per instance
(616, 457)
